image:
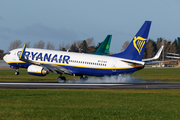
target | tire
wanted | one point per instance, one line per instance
(16, 73)
(83, 78)
(61, 79)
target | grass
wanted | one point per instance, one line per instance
(89, 104)
(159, 74)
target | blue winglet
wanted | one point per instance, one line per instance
(23, 52)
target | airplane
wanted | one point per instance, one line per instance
(178, 55)
(40, 62)
(104, 47)
(173, 56)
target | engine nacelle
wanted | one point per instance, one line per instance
(37, 70)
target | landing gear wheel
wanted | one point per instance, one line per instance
(17, 73)
(61, 79)
(83, 78)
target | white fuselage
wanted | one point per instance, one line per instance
(78, 63)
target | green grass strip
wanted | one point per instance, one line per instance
(159, 74)
(20, 104)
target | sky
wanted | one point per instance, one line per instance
(66, 21)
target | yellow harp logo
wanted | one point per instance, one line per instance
(139, 43)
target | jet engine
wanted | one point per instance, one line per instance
(37, 70)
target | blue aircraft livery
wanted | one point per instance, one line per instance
(136, 48)
(45, 57)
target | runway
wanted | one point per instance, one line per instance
(52, 85)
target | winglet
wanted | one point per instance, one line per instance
(156, 56)
(158, 53)
(23, 52)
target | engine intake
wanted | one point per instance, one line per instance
(37, 70)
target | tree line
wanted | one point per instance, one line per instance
(84, 46)
(88, 46)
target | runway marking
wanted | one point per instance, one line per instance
(65, 84)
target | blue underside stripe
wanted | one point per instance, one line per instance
(88, 71)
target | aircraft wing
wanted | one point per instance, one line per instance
(148, 63)
(172, 54)
(178, 57)
(53, 68)
(172, 57)
(56, 69)
(155, 57)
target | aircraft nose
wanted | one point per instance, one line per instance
(5, 58)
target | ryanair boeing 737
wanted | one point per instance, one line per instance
(40, 62)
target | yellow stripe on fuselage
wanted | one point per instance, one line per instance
(82, 66)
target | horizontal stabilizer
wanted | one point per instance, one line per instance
(133, 62)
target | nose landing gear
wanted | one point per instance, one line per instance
(17, 72)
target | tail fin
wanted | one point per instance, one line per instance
(135, 49)
(104, 47)
(178, 41)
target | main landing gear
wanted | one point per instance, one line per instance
(17, 72)
(83, 78)
(61, 79)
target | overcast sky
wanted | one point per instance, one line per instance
(59, 21)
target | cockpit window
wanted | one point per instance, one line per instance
(9, 53)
